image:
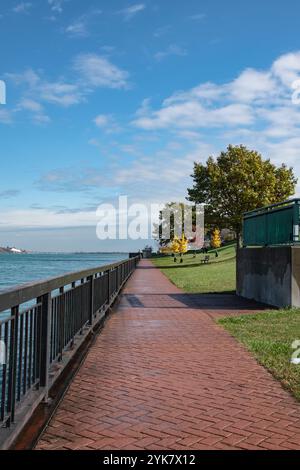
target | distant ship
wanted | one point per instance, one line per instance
(11, 250)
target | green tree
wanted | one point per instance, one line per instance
(239, 180)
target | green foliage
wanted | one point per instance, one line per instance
(239, 180)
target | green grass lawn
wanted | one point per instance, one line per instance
(218, 276)
(269, 336)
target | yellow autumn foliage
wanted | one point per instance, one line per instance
(175, 245)
(183, 244)
(216, 238)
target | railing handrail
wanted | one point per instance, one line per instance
(26, 292)
(265, 209)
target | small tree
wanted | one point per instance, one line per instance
(175, 246)
(183, 246)
(216, 239)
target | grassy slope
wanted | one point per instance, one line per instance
(269, 336)
(191, 276)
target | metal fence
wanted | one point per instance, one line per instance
(277, 224)
(41, 322)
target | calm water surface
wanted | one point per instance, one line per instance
(20, 269)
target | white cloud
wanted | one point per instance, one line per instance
(80, 26)
(98, 71)
(285, 151)
(22, 7)
(107, 123)
(287, 68)
(28, 77)
(206, 92)
(92, 71)
(38, 89)
(34, 107)
(56, 5)
(193, 115)
(37, 218)
(131, 11)
(253, 85)
(255, 109)
(30, 105)
(282, 120)
(41, 118)
(63, 94)
(198, 17)
(102, 120)
(141, 178)
(77, 28)
(254, 98)
(172, 50)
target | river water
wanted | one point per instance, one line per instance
(21, 269)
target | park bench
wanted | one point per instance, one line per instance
(205, 260)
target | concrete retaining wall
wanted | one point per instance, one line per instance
(270, 275)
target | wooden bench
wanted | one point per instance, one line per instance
(205, 260)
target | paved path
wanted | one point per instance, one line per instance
(164, 375)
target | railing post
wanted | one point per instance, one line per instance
(11, 401)
(45, 341)
(91, 299)
(108, 286)
(61, 321)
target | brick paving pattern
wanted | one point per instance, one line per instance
(163, 375)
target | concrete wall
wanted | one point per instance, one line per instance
(295, 295)
(270, 275)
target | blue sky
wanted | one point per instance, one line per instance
(108, 98)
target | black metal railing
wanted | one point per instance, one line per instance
(41, 322)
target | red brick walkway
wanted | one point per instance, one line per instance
(163, 375)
